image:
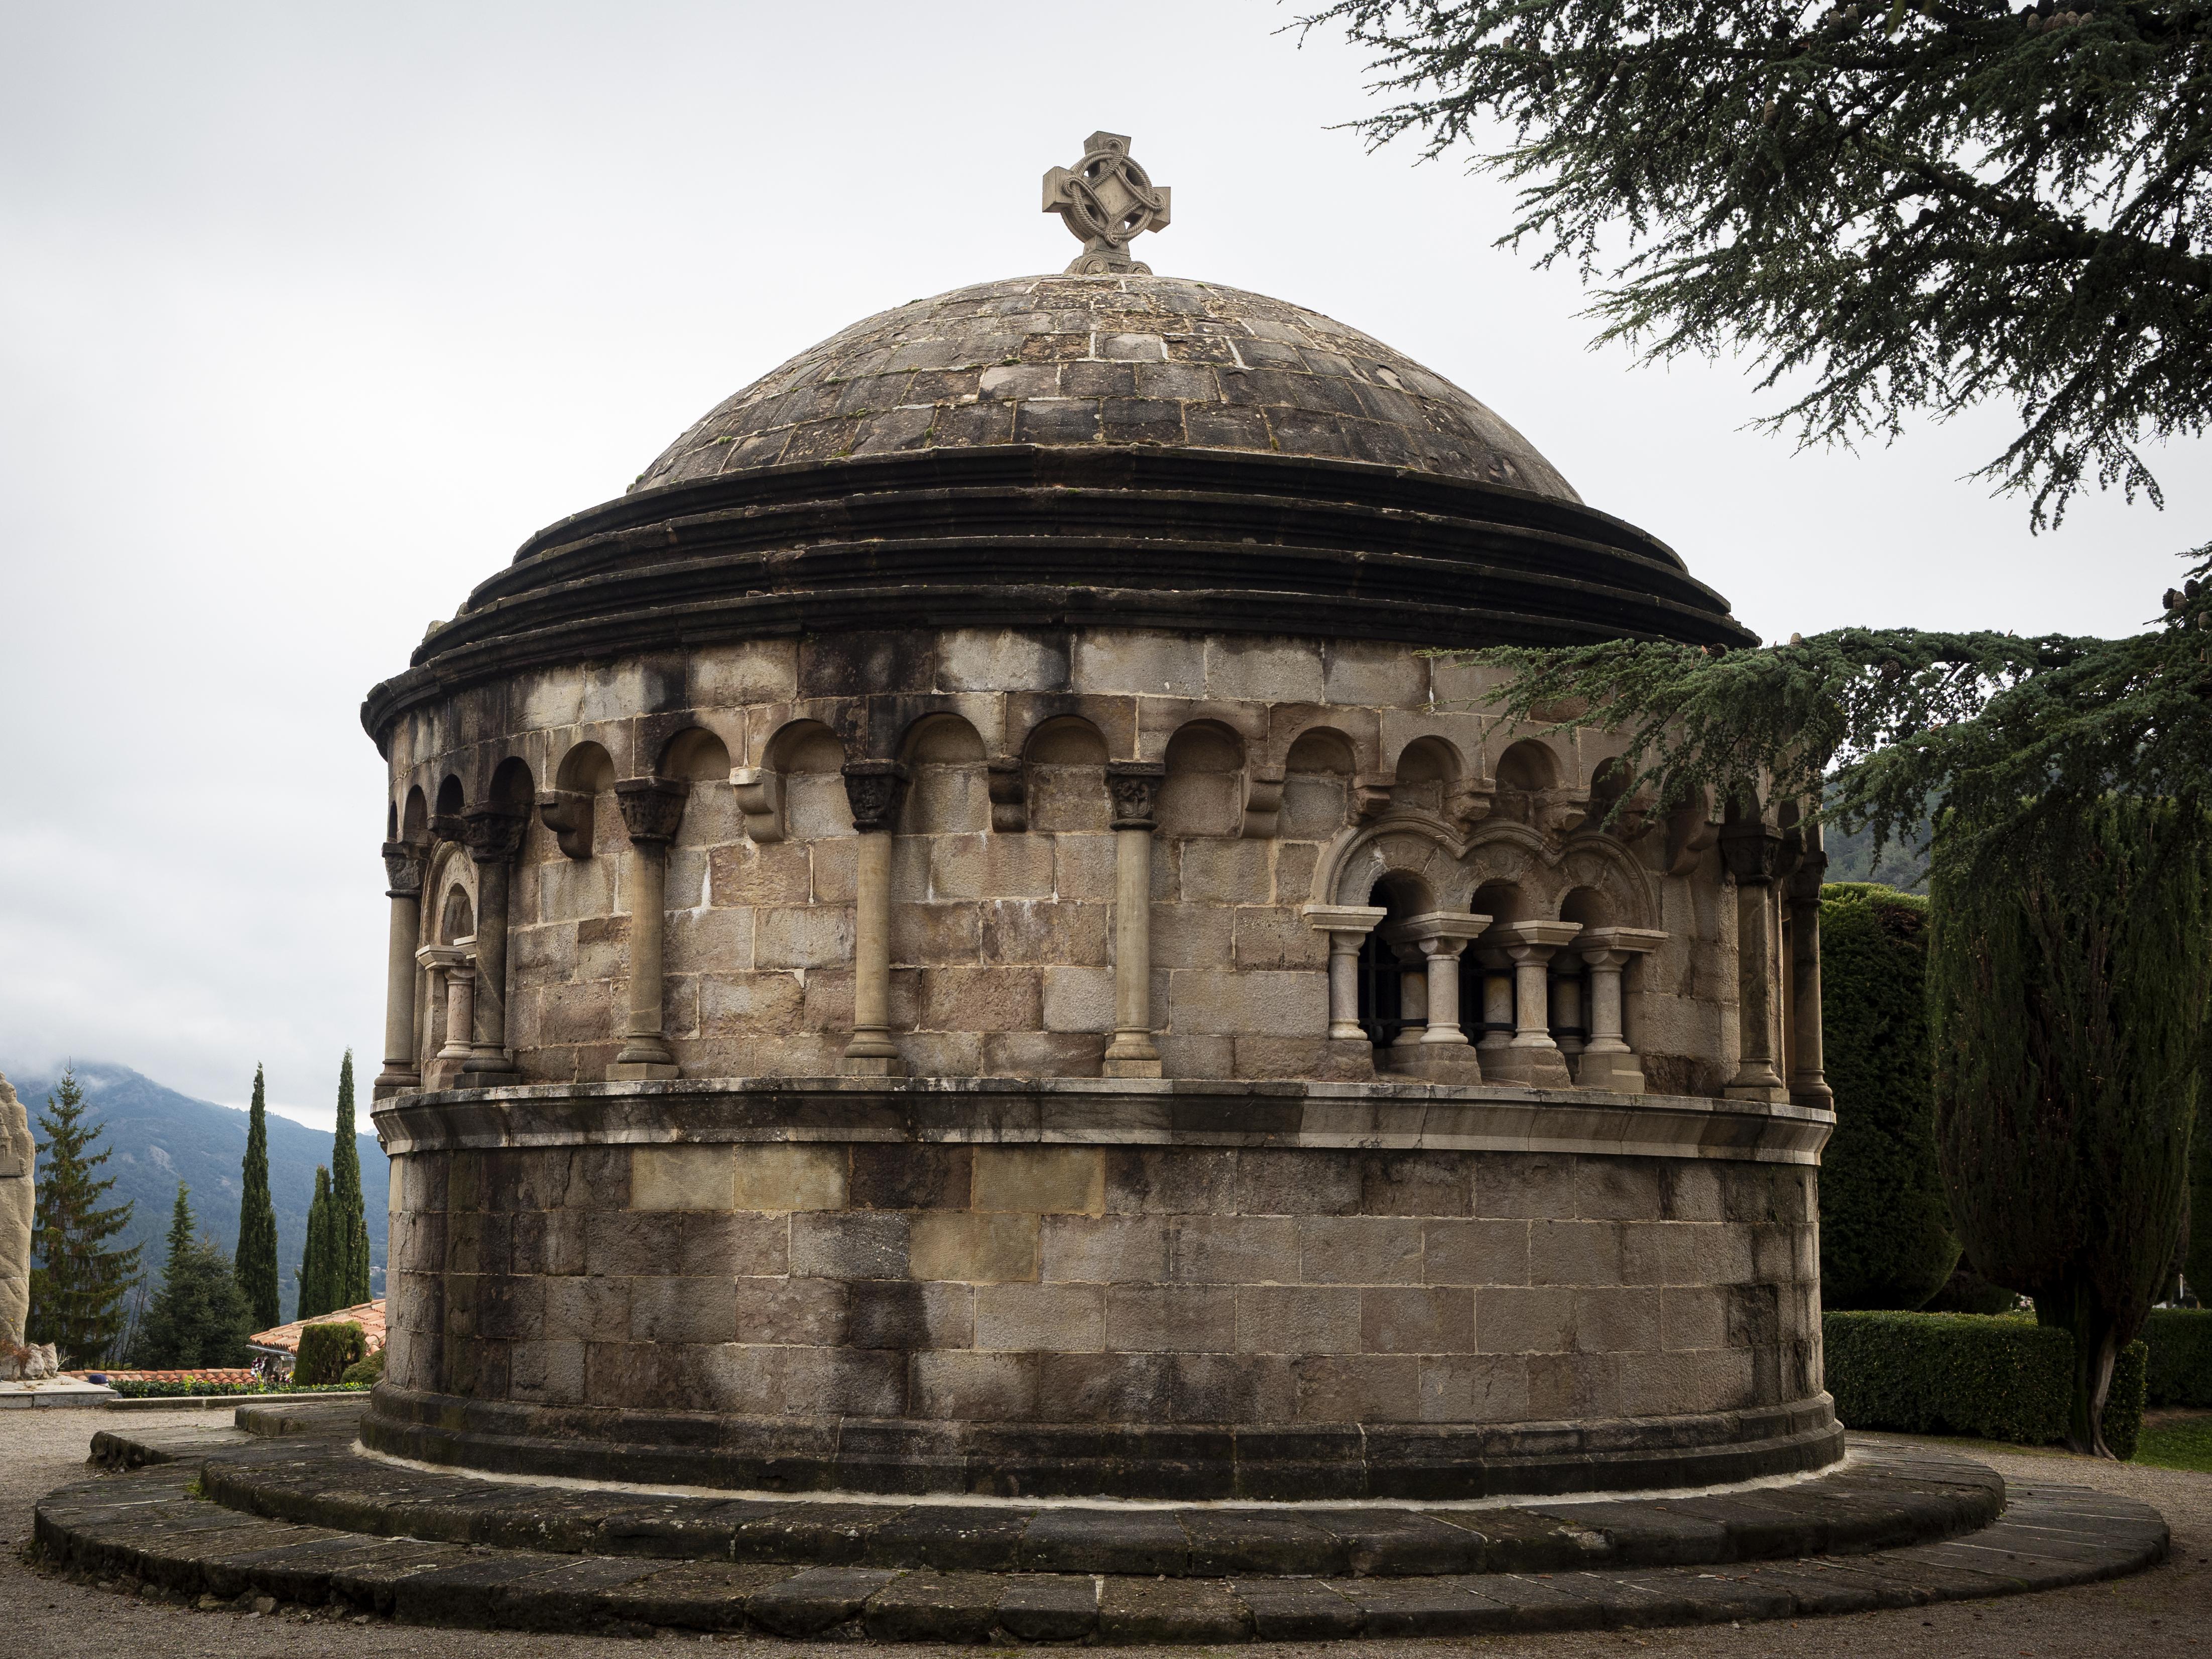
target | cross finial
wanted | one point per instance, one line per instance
(1106, 199)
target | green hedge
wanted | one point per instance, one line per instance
(1886, 1237)
(366, 1373)
(1989, 1378)
(139, 1388)
(2180, 1341)
(326, 1348)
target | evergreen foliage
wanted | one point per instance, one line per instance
(366, 1373)
(2180, 1343)
(2196, 1264)
(1967, 1292)
(200, 1320)
(1886, 1238)
(256, 1219)
(2068, 987)
(1993, 1379)
(348, 1285)
(318, 1269)
(1890, 209)
(326, 1349)
(79, 1286)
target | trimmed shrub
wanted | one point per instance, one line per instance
(2002, 1378)
(326, 1348)
(2180, 1343)
(137, 1388)
(365, 1373)
(1886, 1237)
(1965, 1374)
(1967, 1291)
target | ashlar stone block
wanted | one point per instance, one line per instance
(689, 1177)
(1041, 1179)
(780, 1175)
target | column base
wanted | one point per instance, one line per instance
(1759, 1081)
(395, 1080)
(1531, 1067)
(872, 1065)
(1436, 1062)
(1622, 1073)
(1818, 1096)
(1129, 1066)
(640, 1071)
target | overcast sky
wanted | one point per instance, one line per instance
(309, 314)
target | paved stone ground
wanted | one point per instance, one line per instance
(2162, 1611)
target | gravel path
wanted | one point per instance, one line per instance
(2168, 1611)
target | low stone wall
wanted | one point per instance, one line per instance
(1303, 1291)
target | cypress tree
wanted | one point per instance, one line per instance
(1885, 1239)
(256, 1219)
(316, 1268)
(201, 1318)
(2197, 1266)
(349, 1215)
(2068, 982)
(78, 1288)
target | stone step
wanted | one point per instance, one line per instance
(1884, 1497)
(146, 1528)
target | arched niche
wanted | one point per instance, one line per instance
(698, 758)
(1064, 764)
(1410, 848)
(948, 786)
(453, 799)
(1426, 770)
(1525, 777)
(579, 807)
(808, 759)
(1318, 774)
(1203, 793)
(414, 816)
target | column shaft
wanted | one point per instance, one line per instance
(492, 836)
(873, 789)
(403, 866)
(1344, 987)
(1808, 1078)
(652, 810)
(1133, 786)
(1442, 992)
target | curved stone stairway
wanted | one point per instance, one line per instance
(292, 1510)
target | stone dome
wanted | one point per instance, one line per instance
(1072, 361)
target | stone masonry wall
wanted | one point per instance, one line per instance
(1137, 1284)
(1001, 935)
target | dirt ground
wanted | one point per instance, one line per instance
(2165, 1611)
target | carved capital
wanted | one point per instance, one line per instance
(404, 862)
(1805, 881)
(652, 807)
(1751, 849)
(1133, 786)
(873, 789)
(567, 814)
(492, 833)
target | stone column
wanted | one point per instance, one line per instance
(447, 968)
(651, 808)
(1134, 787)
(492, 836)
(1808, 1078)
(1413, 1006)
(873, 789)
(1531, 1058)
(1441, 1052)
(1608, 1061)
(403, 864)
(1348, 926)
(1752, 849)
(18, 1170)
(1497, 999)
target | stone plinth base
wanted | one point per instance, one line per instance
(1105, 1286)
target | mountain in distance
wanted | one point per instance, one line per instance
(159, 1137)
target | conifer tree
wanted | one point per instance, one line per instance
(349, 1215)
(79, 1288)
(200, 1319)
(316, 1270)
(2067, 988)
(257, 1218)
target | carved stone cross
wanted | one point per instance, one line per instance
(1106, 199)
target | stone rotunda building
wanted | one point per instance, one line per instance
(952, 939)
